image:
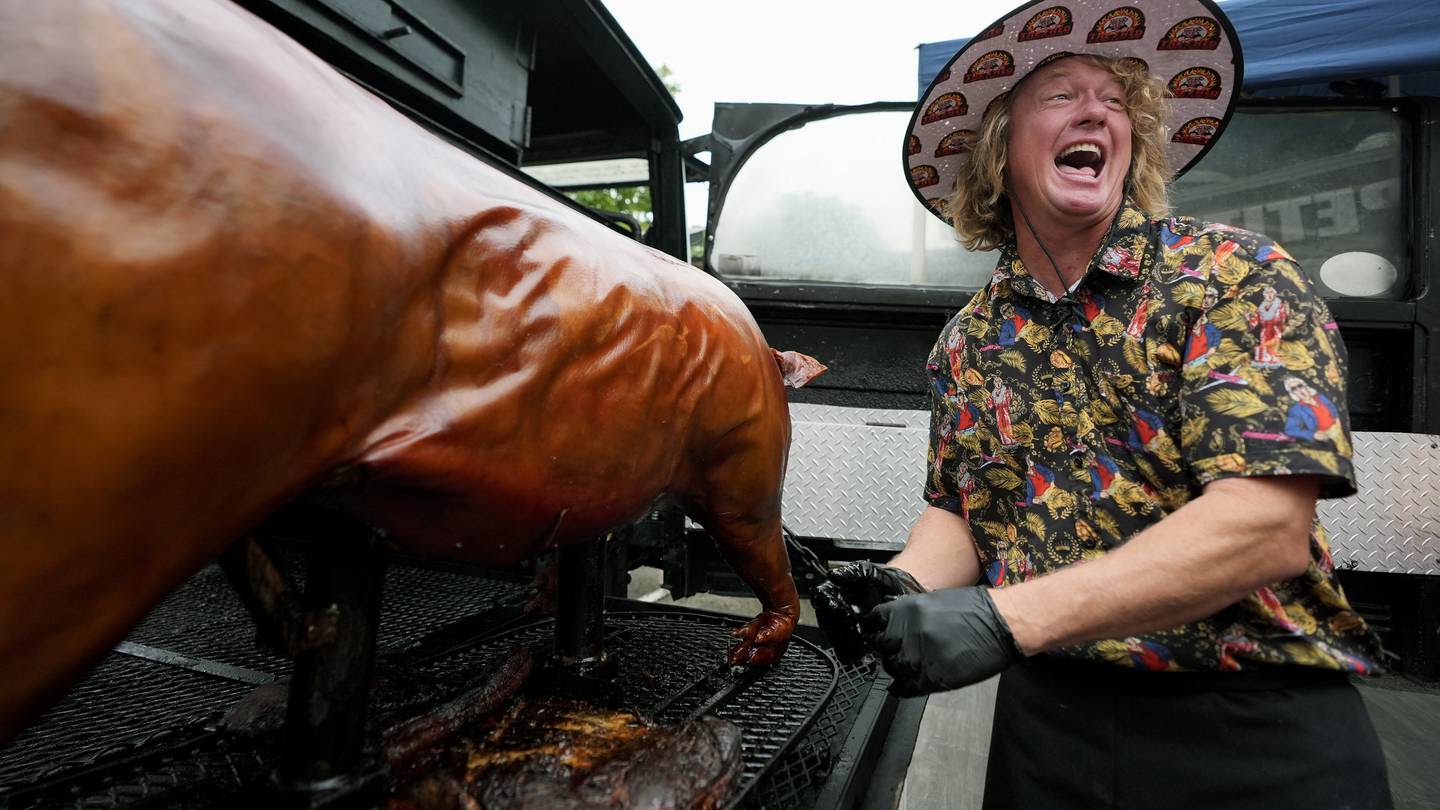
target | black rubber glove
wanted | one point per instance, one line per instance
(852, 591)
(840, 620)
(866, 584)
(941, 640)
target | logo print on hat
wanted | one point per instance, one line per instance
(993, 31)
(938, 205)
(955, 143)
(1197, 131)
(1196, 82)
(992, 65)
(922, 176)
(942, 77)
(1118, 25)
(946, 106)
(1193, 34)
(912, 145)
(1052, 22)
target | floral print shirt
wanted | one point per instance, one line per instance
(1188, 352)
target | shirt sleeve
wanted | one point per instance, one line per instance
(941, 460)
(1269, 399)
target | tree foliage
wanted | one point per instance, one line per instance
(633, 201)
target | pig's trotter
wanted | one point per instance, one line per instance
(760, 558)
(763, 640)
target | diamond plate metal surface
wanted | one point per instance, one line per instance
(856, 475)
(1393, 524)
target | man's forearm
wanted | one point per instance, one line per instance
(1241, 535)
(940, 551)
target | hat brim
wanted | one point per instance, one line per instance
(1189, 44)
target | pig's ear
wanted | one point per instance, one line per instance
(796, 369)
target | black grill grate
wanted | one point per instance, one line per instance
(797, 777)
(198, 772)
(205, 619)
(659, 653)
(419, 600)
(124, 704)
(133, 734)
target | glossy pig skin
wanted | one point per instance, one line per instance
(228, 276)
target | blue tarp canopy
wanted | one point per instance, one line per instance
(1310, 42)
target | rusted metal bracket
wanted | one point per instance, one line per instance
(270, 598)
(329, 629)
(330, 687)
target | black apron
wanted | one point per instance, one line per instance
(1079, 735)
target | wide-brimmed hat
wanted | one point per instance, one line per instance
(1188, 44)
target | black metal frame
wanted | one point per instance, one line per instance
(578, 38)
(1425, 191)
(580, 619)
(1405, 610)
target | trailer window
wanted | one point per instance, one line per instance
(825, 202)
(828, 202)
(615, 191)
(1325, 184)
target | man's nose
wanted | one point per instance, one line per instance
(1091, 112)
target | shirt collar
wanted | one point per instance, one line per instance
(1124, 253)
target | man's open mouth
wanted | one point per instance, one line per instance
(1081, 160)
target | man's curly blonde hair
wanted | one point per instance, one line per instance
(980, 207)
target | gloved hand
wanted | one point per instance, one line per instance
(941, 640)
(866, 584)
(840, 621)
(852, 591)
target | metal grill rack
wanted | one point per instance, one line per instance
(670, 665)
(141, 731)
(126, 705)
(797, 777)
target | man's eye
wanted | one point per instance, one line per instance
(1060, 97)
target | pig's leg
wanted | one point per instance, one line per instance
(757, 552)
(734, 491)
(739, 505)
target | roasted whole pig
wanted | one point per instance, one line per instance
(229, 277)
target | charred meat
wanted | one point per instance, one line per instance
(551, 753)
